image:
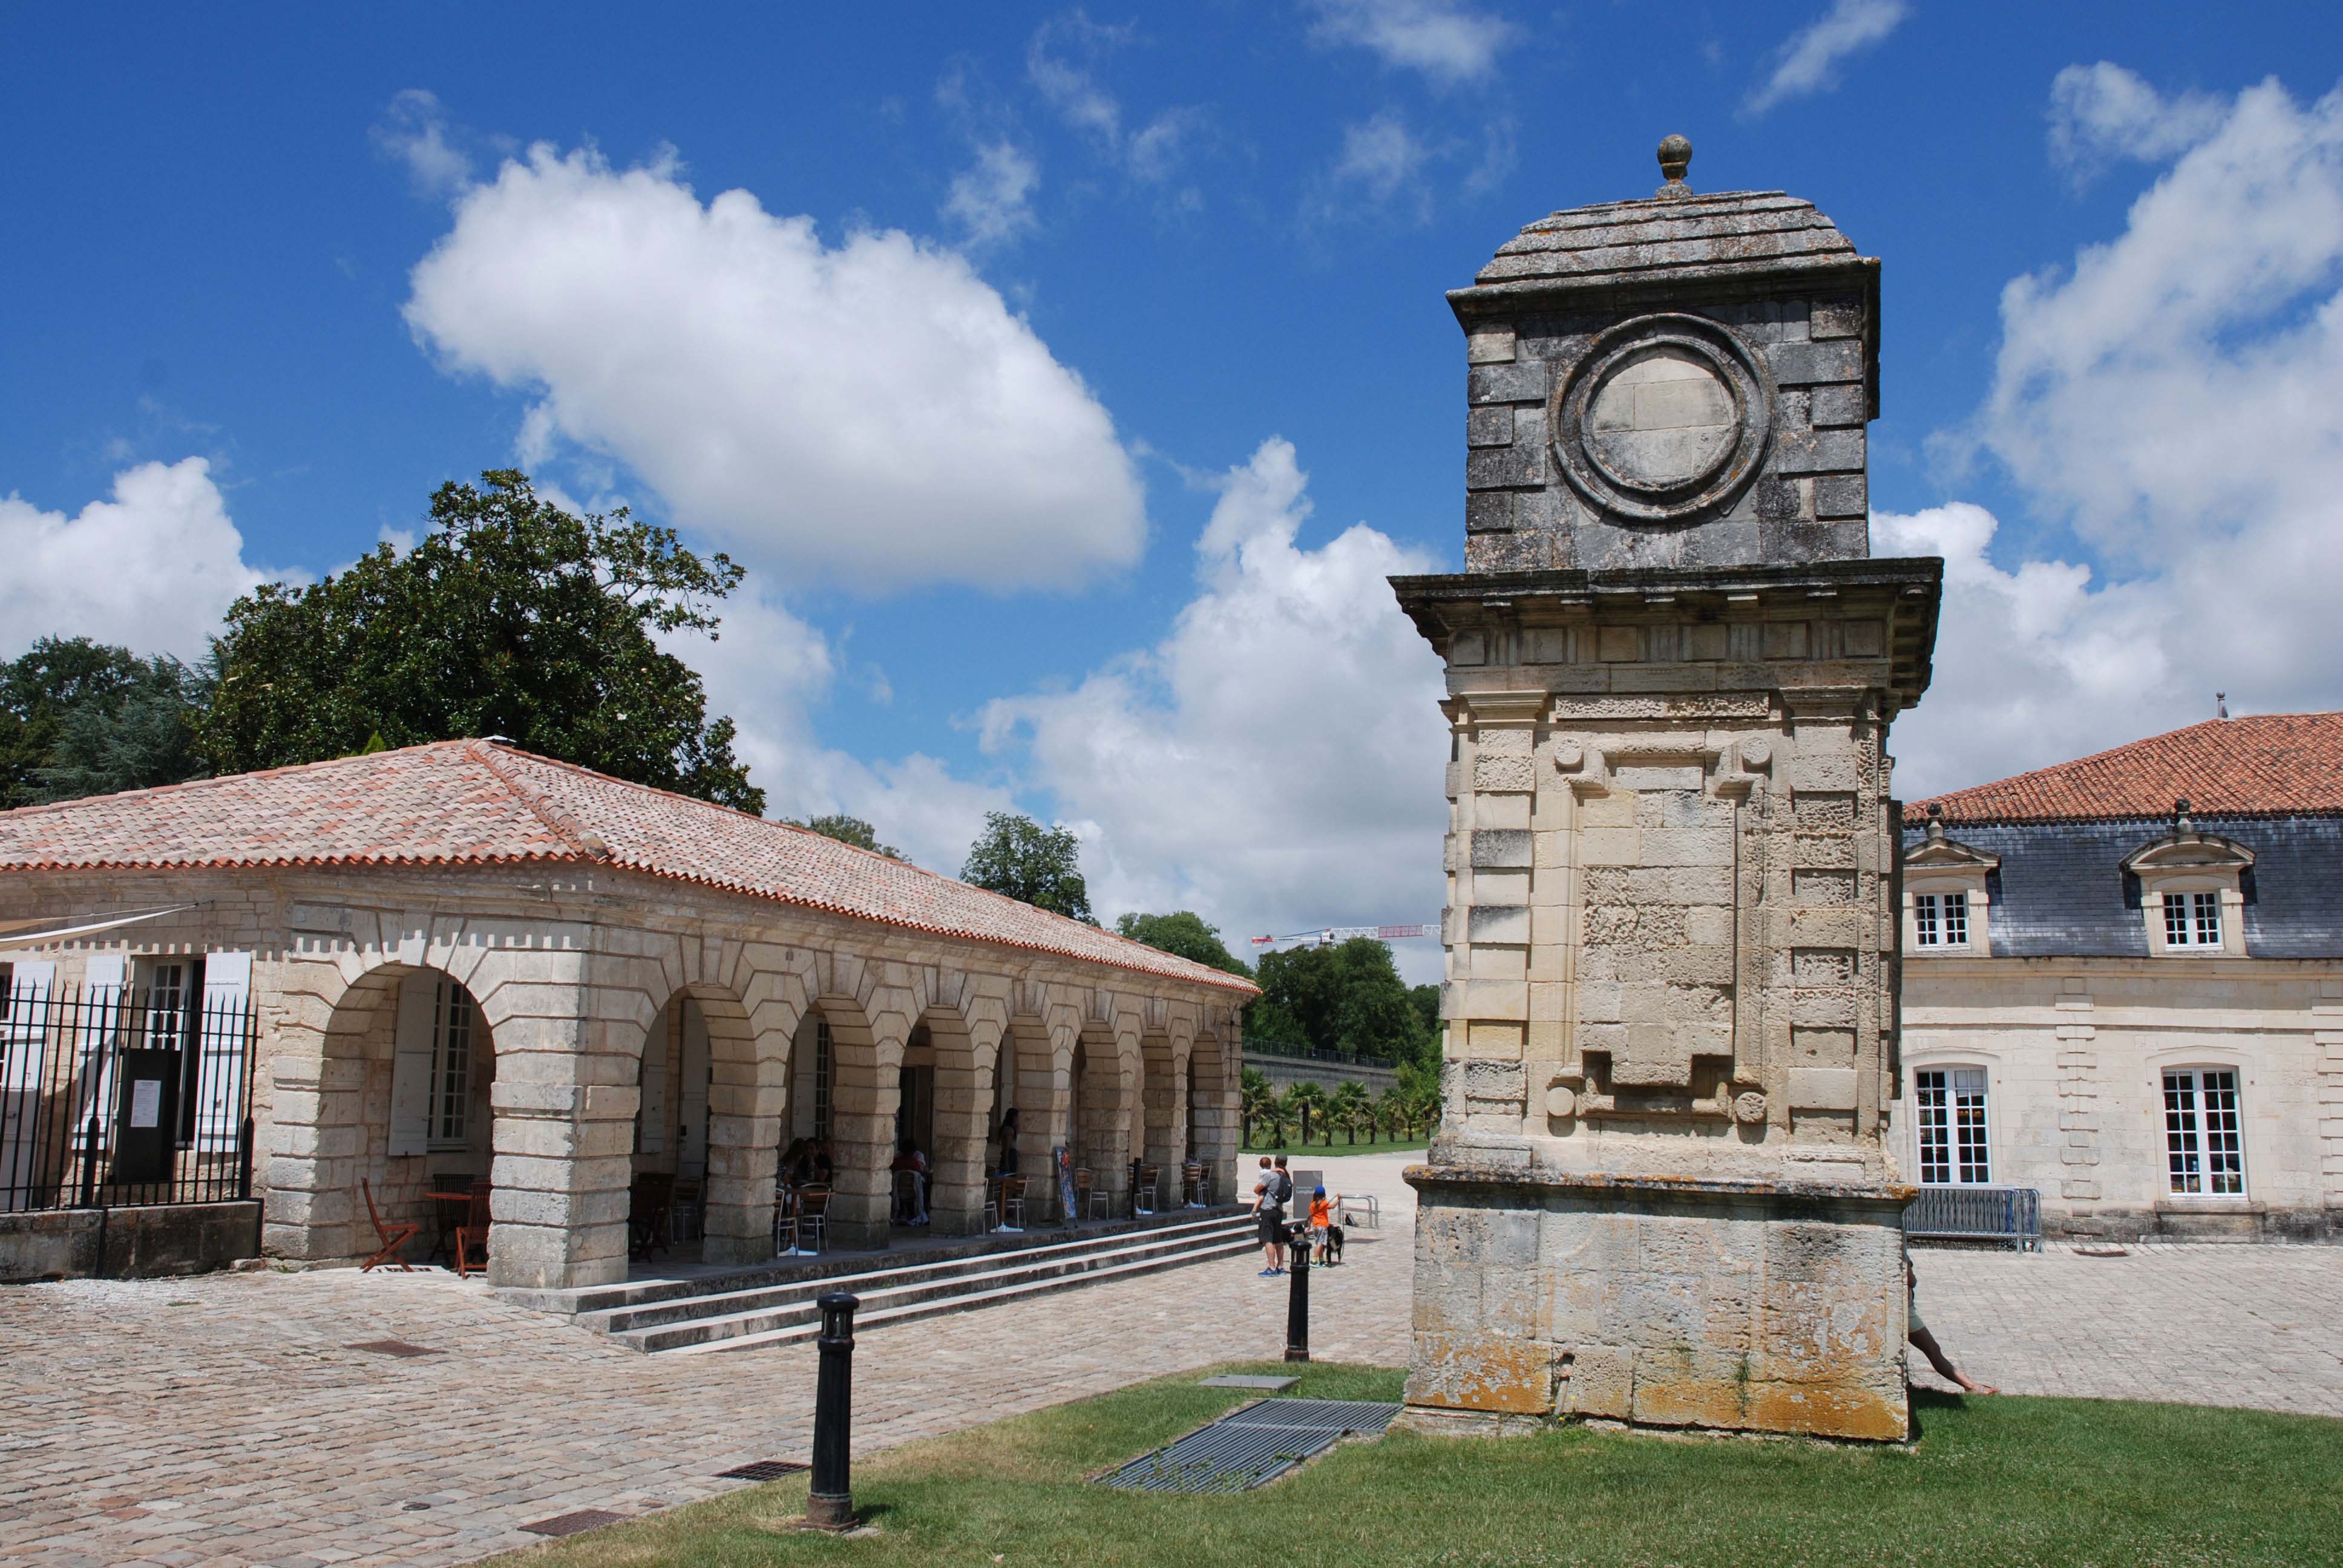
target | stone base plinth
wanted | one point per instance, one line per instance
(1730, 1305)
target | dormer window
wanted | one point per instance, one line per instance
(2192, 890)
(2192, 919)
(1940, 920)
(1946, 886)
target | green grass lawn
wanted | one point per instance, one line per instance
(2000, 1480)
(1314, 1149)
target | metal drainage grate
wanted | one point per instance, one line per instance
(394, 1348)
(763, 1470)
(1250, 1447)
(576, 1523)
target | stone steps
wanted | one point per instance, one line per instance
(783, 1312)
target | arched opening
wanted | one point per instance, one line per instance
(401, 1109)
(914, 1140)
(1164, 1117)
(673, 1194)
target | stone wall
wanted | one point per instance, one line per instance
(2075, 1049)
(572, 968)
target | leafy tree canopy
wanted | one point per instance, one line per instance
(847, 830)
(1041, 866)
(1345, 997)
(510, 617)
(1185, 934)
(80, 718)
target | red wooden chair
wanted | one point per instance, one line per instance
(392, 1237)
(473, 1232)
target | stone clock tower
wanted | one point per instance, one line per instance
(1660, 1194)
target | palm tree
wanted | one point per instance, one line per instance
(1348, 1109)
(1307, 1097)
(1254, 1098)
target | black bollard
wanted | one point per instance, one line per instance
(831, 1504)
(1297, 1297)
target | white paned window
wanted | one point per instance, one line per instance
(451, 1066)
(1954, 1149)
(2192, 919)
(2204, 1139)
(166, 1006)
(1941, 919)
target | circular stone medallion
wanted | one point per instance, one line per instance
(1663, 419)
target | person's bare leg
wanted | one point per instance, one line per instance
(1943, 1365)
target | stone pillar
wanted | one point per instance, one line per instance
(744, 1144)
(1659, 1192)
(1164, 1111)
(308, 1174)
(867, 1088)
(965, 1074)
(1213, 1103)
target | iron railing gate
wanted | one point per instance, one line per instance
(110, 1098)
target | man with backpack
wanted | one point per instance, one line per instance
(1271, 1194)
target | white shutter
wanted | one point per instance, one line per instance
(411, 1064)
(24, 1025)
(102, 983)
(222, 1040)
(652, 1122)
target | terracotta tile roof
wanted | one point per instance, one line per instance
(472, 802)
(2275, 765)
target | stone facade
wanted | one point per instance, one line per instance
(580, 972)
(1660, 1194)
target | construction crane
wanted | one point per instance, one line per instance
(1327, 936)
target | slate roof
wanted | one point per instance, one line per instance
(478, 803)
(1720, 235)
(2272, 765)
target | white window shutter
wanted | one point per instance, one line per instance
(410, 1066)
(102, 983)
(653, 1115)
(24, 1027)
(219, 1081)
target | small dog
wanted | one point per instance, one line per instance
(1332, 1253)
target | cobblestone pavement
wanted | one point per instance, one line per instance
(225, 1419)
(2240, 1325)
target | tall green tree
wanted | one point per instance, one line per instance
(1347, 997)
(1187, 934)
(510, 617)
(81, 717)
(847, 830)
(1350, 1109)
(1041, 866)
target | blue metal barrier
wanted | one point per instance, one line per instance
(2010, 1214)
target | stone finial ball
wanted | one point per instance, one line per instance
(1675, 156)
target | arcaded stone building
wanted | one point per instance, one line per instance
(1661, 1191)
(468, 960)
(2132, 1005)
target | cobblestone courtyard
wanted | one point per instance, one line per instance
(224, 1420)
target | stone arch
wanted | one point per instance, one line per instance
(723, 1082)
(340, 1112)
(1162, 1109)
(1213, 1130)
(966, 1043)
(1103, 1076)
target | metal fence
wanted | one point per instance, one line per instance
(112, 1096)
(2010, 1214)
(1315, 1053)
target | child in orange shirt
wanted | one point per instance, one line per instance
(1322, 1216)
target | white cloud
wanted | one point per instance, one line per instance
(2177, 398)
(992, 201)
(873, 411)
(1447, 41)
(1276, 762)
(153, 569)
(1063, 60)
(1808, 63)
(1381, 163)
(2101, 112)
(414, 131)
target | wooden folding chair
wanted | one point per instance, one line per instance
(473, 1232)
(392, 1237)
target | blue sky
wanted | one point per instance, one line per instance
(1069, 379)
